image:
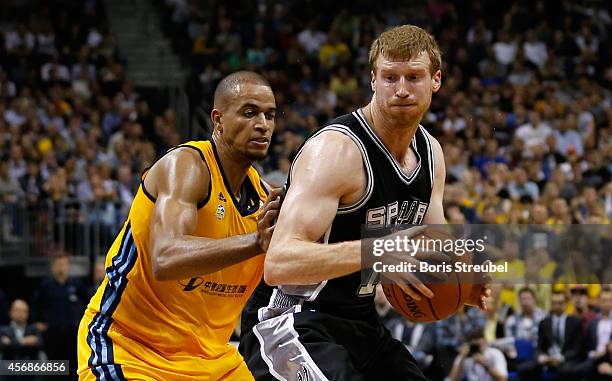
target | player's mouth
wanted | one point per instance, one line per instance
(261, 142)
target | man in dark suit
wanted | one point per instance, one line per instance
(57, 307)
(599, 335)
(559, 343)
(19, 340)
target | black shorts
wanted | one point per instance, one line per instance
(315, 346)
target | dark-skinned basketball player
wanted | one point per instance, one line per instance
(376, 165)
(189, 255)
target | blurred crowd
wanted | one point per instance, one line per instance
(74, 134)
(524, 117)
(569, 340)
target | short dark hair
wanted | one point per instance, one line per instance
(230, 83)
(475, 334)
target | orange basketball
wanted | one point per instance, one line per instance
(449, 295)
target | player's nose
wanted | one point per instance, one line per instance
(262, 123)
(402, 88)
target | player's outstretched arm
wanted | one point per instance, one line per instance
(180, 181)
(328, 171)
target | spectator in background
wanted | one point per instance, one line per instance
(479, 362)
(522, 186)
(598, 338)
(343, 84)
(32, 184)
(450, 334)
(333, 52)
(567, 138)
(496, 314)
(58, 305)
(10, 195)
(535, 51)
(491, 155)
(311, 38)
(559, 343)
(580, 307)
(20, 340)
(506, 48)
(560, 213)
(524, 323)
(10, 191)
(54, 70)
(534, 133)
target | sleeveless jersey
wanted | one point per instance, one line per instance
(391, 197)
(188, 319)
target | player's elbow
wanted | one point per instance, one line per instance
(159, 269)
(160, 265)
(275, 268)
(272, 277)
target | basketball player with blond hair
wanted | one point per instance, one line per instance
(374, 166)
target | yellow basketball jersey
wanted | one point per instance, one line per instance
(177, 320)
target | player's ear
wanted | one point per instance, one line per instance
(436, 81)
(216, 116)
(373, 80)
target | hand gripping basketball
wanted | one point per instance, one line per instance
(446, 292)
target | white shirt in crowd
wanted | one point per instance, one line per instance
(604, 331)
(535, 52)
(534, 135)
(472, 371)
(505, 52)
(311, 40)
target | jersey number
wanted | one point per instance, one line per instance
(368, 288)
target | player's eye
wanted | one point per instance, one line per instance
(270, 115)
(249, 113)
(390, 78)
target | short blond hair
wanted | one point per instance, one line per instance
(403, 43)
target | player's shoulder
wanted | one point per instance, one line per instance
(184, 159)
(179, 165)
(335, 148)
(338, 133)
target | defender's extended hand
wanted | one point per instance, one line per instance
(267, 218)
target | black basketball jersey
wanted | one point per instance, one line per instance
(391, 197)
